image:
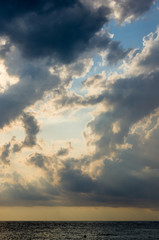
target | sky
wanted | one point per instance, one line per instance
(79, 110)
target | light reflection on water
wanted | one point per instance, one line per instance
(79, 230)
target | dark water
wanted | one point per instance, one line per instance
(79, 230)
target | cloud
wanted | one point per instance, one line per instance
(128, 176)
(129, 106)
(146, 61)
(5, 152)
(129, 179)
(28, 194)
(66, 29)
(119, 90)
(116, 53)
(62, 152)
(81, 183)
(127, 10)
(122, 168)
(38, 160)
(123, 10)
(49, 164)
(31, 128)
(131, 98)
(35, 80)
(5, 46)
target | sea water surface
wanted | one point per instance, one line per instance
(79, 230)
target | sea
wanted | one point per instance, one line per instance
(79, 230)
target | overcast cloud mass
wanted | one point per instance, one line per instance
(66, 75)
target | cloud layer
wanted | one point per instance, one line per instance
(120, 164)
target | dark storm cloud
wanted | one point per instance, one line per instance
(61, 29)
(40, 29)
(120, 185)
(15, 8)
(74, 181)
